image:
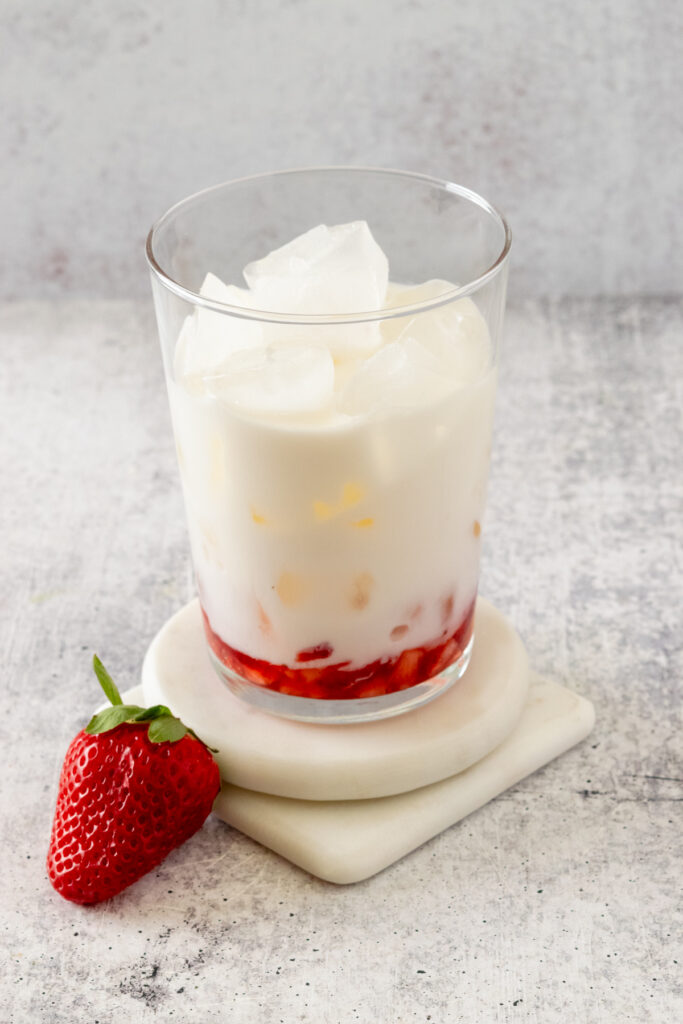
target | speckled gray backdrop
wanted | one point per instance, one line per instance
(565, 114)
(558, 902)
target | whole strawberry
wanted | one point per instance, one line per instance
(135, 784)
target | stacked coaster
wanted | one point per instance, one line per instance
(345, 801)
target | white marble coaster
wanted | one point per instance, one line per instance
(261, 752)
(347, 841)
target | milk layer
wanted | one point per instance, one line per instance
(353, 523)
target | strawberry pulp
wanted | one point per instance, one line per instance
(339, 682)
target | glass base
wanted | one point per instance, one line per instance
(342, 712)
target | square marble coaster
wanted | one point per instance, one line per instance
(347, 841)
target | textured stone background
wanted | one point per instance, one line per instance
(567, 115)
(558, 902)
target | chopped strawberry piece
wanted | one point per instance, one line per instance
(376, 689)
(316, 653)
(406, 671)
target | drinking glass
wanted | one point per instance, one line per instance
(336, 551)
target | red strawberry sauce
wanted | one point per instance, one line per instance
(339, 682)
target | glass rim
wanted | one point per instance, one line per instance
(362, 316)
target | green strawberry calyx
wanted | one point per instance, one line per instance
(164, 727)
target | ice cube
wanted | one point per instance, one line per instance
(207, 338)
(326, 271)
(409, 295)
(401, 375)
(425, 357)
(229, 294)
(279, 379)
(456, 336)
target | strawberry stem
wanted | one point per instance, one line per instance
(162, 725)
(106, 682)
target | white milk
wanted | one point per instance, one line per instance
(334, 479)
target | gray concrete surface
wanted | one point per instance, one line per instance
(566, 115)
(558, 902)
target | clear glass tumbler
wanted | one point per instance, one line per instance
(333, 457)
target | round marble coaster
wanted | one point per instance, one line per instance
(272, 755)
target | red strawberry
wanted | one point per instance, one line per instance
(135, 784)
